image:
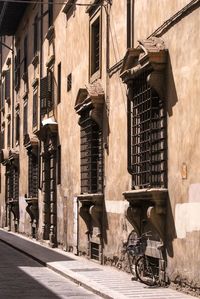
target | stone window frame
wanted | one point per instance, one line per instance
(95, 17)
(35, 35)
(35, 109)
(2, 143)
(150, 56)
(47, 97)
(59, 82)
(8, 130)
(17, 69)
(17, 124)
(25, 116)
(90, 100)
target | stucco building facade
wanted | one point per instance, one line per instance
(100, 128)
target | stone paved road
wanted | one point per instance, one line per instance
(23, 278)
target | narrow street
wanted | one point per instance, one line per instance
(21, 278)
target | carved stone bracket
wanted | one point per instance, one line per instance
(14, 208)
(157, 219)
(151, 54)
(14, 157)
(133, 215)
(32, 210)
(96, 213)
(85, 215)
(92, 98)
(91, 211)
(31, 142)
(149, 204)
(48, 127)
(5, 157)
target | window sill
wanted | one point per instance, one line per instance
(35, 60)
(50, 61)
(51, 33)
(35, 83)
(8, 100)
(25, 76)
(152, 194)
(94, 77)
(91, 198)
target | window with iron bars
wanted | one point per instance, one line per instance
(147, 135)
(91, 155)
(7, 85)
(25, 118)
(17, 70)
(35, 108)
(33, 174)
(25, 54)
(35, 35)
(12, 174)
(17, 127)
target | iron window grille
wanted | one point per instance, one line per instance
(12, 175)
(95, 251)
(17, 127)
(7, 85)
(33, 175)
(8, 135)
(17, 69)
(35, 109)
(35, 35)
(91, 155)
(25, 54)
(3, 95)
(146, 135)
(25, 119)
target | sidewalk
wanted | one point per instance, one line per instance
(102, 280)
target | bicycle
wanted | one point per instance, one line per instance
(143, 267)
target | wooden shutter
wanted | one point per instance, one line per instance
(7, 85)
(17, 69)
(50, 90)
(43, 94)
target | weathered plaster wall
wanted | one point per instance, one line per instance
(182, 82)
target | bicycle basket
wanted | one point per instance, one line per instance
(137, 248)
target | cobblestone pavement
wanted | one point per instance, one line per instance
(102, 280)
(23, 278)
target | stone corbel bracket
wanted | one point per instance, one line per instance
(48, 127)
(93, 98)
(133, 214)
(31, 143)
(151, 54)
(32, 209)
(91, 211)
(14, 157)
(5, 157)
(14, 208)
(155, 199)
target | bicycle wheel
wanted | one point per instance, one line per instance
(145, 272)
(131, 257)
